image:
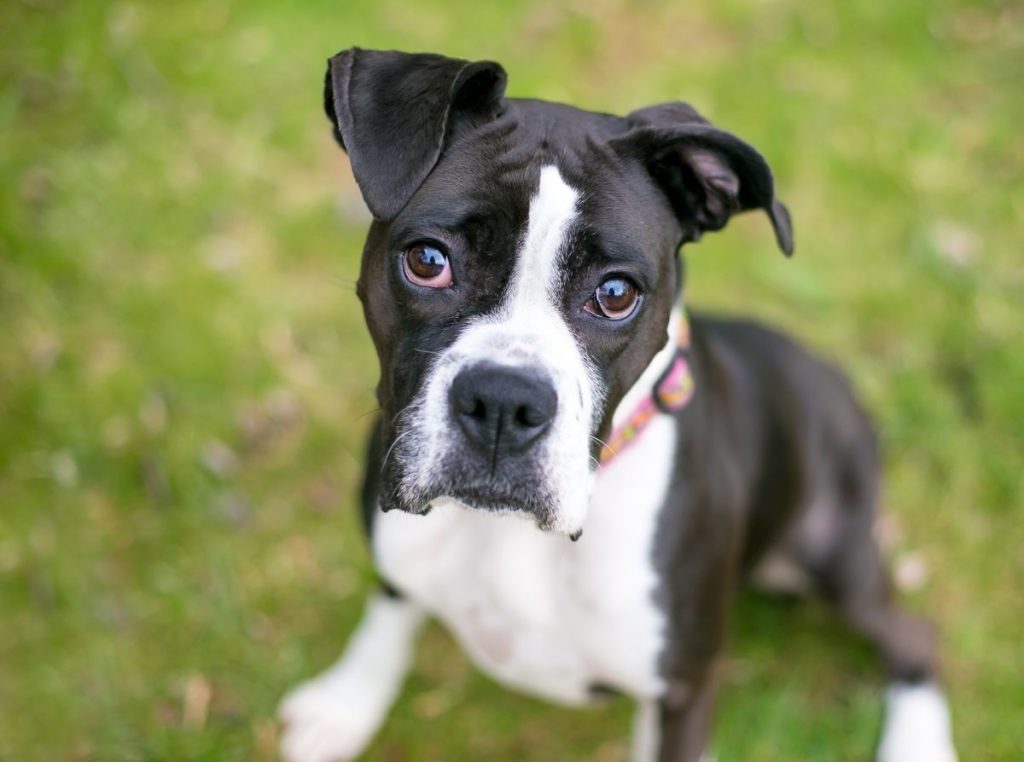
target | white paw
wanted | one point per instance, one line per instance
(325, 720)
(917, 726)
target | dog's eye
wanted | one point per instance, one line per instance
(616, 299)
(426, 264)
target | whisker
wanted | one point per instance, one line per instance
(605, 445)
(361, 416)
(400, 413)
(387, 455)
(340, 281)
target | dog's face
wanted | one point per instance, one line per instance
(520, 272)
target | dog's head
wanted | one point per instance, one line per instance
(521, 270)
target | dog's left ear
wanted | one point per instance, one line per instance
(707, 174)
(394, 113)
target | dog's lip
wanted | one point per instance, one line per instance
(483, 499)
(544, 520)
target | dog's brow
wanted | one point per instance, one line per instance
(594, 247)
(442, 226)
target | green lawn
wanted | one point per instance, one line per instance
(184, 376)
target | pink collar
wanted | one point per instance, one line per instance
(672, 392)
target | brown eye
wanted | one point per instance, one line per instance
(616, 298)
(426, 264)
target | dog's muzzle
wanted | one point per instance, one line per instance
(502, 424)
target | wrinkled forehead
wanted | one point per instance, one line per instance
(473, 182)
(489, 181)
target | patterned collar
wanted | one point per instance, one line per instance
(671, 393)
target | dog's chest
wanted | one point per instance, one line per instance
(535, 610)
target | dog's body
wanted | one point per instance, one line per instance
(521, 283)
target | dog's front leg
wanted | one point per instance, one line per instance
(676, 728)
(333, 716)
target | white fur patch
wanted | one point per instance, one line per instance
(917, 725)
(527, 331)
(334, 716)
(533, 609)
(646, 731)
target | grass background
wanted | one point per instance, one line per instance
(184, 375)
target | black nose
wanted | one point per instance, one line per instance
(502, 409)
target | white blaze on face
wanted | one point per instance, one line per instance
(526, 331)
(552, 211)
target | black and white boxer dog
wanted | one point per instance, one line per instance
(571, 473)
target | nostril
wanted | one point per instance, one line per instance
(467, 402)
(529, 417)
(478, 411)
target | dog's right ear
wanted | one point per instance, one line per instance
(393, 113)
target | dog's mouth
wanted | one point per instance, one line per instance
(525, 496)
(521, 486)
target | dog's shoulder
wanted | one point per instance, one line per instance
(761, 361)
(768, 397)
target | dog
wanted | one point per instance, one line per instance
(569, 471)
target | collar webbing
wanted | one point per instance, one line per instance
(671, 393)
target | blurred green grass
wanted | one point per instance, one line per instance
(184, 376)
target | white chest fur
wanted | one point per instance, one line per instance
(538, 611)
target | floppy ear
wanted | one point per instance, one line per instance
(708, 174)
(393, 112)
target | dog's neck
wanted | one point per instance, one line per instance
(665, 386)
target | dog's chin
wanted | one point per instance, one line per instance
(537, 507)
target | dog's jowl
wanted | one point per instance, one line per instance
(570, 471)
